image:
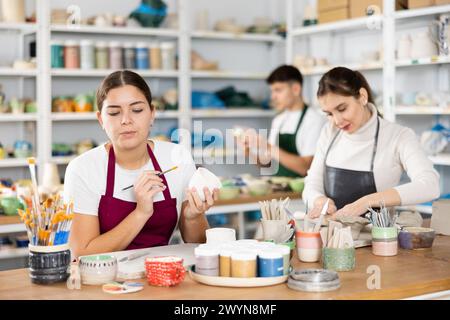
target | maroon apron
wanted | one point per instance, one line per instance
(157, 230)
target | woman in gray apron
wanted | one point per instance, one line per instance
(360, 156)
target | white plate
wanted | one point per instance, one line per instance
(236, 282)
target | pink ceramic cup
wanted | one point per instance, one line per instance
(385, 248)
(309, 246)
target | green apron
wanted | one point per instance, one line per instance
(286, 142)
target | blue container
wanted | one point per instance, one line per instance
(142, 56)
(270, 263)
(57, 54)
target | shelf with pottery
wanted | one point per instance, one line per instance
(21, 27)
(13, 163)
(217, 35)
(18, 72)
(219, 74)
(422, 110)
(423, 61)
(92, 116)
(319, 70)
(131, 31)
(356, 24)
(11, 117)
(104, 72)
(421, 12)
(13, 253)
(233, 112)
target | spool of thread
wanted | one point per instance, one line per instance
(270, 263)
(129, 55)
(115, 55)
(101, 55)
(207, 260)
(155, 55)
(168, 55)
(87, 54)
(243, 264)
(57, 54)
(286, 253)
(141, 55)
(220, 236)
(71, 54)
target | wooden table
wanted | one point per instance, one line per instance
(410, 273)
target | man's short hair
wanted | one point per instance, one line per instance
(285, 73)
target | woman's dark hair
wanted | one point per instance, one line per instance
(285, 73)
(121, 78)
(345, 82)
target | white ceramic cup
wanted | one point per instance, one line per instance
(220, 235)
(203, 178)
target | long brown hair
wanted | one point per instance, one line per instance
(121, 78)
(345, 82)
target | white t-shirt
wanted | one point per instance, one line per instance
(307, 134)
(85, 178)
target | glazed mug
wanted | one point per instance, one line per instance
(339, 259)
(309, 246)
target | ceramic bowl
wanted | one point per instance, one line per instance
(98, 269)
(258, 188)
(355, 223)
(416, 238)
(228, 193)
(203, 178)
(297, 184)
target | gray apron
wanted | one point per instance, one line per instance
(346, 186)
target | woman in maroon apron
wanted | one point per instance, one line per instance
(126, 114)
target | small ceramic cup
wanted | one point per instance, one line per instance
(98, 269)
(309, 246)
(273, 229)
(416, 238)
(339, 259)
(384, 241)
(49, 264)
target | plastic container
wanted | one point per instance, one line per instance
(207, 260)
(243, 264)
(168, 55)
(155, 55)
(57, 54)
(286, 253)
(101, 55)
(309, 246)
(115, 55)
(339, 259)
(129, 55)
(270, 263)
(87, 54)
(142, 56)
(49, 264)
(225, 261)
(71, 54)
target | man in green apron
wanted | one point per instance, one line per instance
(294, 131)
